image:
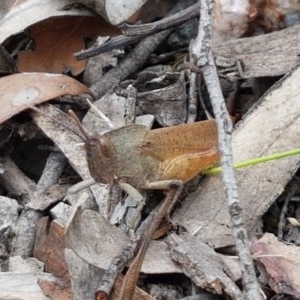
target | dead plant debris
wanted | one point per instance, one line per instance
(82, 201)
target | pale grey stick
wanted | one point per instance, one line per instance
(202, 52)
(26, 226)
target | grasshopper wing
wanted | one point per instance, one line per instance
(168, 143)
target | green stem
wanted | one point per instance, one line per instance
(255, 161)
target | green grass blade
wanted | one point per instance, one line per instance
(255, 161)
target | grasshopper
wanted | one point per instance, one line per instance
(139, 158)
(143, 158)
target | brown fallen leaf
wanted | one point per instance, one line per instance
(56, 39)
(31, 12)
(56, 290)
(50, 246)
(17, 91)
(281, 263)
(19, 285)
(139, 294)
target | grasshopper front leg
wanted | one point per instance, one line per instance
(158, 185)
(138, 198)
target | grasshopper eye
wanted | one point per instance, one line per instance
(100, 146)
(92, 144)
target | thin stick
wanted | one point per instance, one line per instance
(101, 114)
(202, 52)
(166, 23)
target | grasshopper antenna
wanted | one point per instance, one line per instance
(75, 119)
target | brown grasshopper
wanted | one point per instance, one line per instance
(139, 158)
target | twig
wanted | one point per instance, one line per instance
(131, 63)
(113, 43)
(130, 105)
(134, 33)
(192, 97)
(27, 223)
(290, 190)
(22, 186)
(202, 52)
(115, 268)
(55, 164)
(166, 23)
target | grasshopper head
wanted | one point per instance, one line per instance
(102, 158)
(100, 153)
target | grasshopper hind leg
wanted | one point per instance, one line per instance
(167, 185)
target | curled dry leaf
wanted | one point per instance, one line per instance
(50, 246)
(31, 12)
(56, 39)
(163, 96)
(17, 91)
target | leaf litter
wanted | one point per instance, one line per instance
(80, 248)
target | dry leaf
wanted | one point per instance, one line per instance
(93, 239)
(281, 262)
(67, 141)
(31, 12)
(23, 286)
(202, 264)
(17, 91)
(294, 222)
(56, 39)
(97, 242)
(55, 290)
(114, 11)
(163, 96)
(50, 246)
